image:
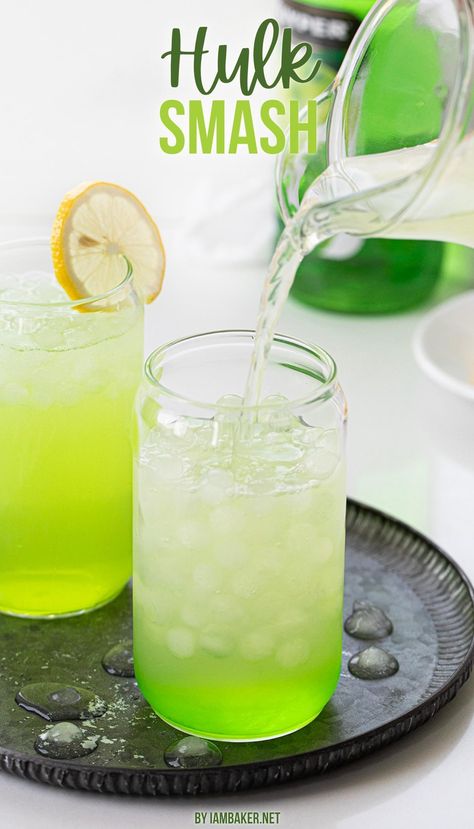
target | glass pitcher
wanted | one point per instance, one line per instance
(396, 139)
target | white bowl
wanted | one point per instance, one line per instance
(444, 345)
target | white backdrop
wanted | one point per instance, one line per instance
(80, 88)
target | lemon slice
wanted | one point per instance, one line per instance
(97, 224)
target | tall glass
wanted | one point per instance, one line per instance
(68, 374)
(239, 537)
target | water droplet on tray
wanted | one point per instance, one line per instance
(118, 661)
(373, 663)
(192, 753)
(64, 741)
(56, 702)
(368, 622)
(65, 696)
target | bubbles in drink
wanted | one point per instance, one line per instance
(65, 741)
(373, 663)
(118, 661)
(56, 702)
(368, 622)
(192, 753)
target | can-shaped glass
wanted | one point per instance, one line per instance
(69, 371)
(239, 537)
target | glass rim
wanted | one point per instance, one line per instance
(44, 242)
(326, 389)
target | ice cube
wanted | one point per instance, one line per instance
(257, 645)
(69, 394)
(207, 577)
(270, 405)
(229, 406)
(263, 505)
(217, 487)
(274, 412)
(99, 380)
(321, 462)
(246, 584)
(271, 561)
(225, 520)
(14, 394)
(301, 537)
(149, 412)
(45, 394)
(217, 641)
(225, 609)
(293, 653)
(293, 617)
(278, 452)
(231, 552)
(163, 607)
(226, 422)
(156, 604)
(192, 534)
(170, 468)
(181, 642)
(193, 612)
(323, 549)
(312, 435)
(330, 440)
(51, 334)
(303, 501)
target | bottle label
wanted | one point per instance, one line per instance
(326, 28)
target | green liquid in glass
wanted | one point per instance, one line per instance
(238, 587)
(65, 414)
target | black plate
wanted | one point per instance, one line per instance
(431, 605)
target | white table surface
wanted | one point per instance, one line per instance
(411, 447)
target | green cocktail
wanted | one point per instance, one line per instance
(68, 375)
(239, 540)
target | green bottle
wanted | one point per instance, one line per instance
(349, 274)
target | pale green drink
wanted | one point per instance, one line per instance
(68, 374)
(238, 560)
